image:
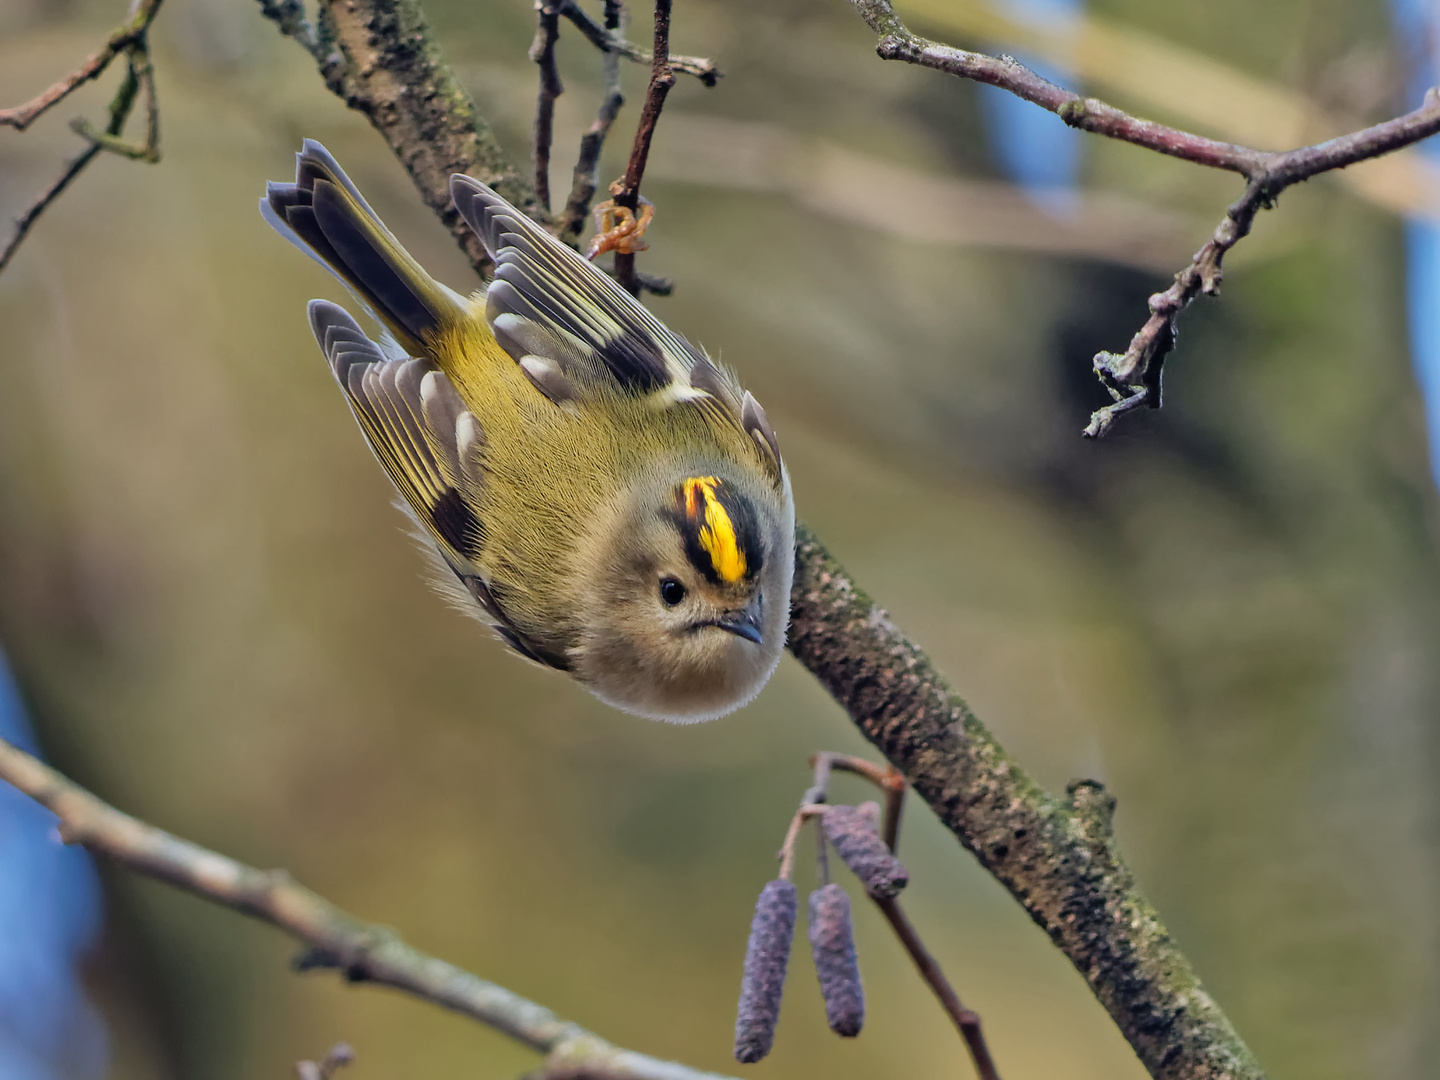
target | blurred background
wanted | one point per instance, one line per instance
(217, 621)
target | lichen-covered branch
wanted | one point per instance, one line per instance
(1133, 377)
(336, 940)
(379, 57)
(1059, 859)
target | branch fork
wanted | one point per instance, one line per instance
(1133, 377)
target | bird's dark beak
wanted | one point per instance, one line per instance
(744, 623)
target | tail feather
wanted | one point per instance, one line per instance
(324, 214)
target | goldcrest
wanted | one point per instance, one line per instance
(602, 493)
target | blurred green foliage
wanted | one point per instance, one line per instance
(1224, 611)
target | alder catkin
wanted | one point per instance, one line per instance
(853, 834)
(766, 957)
(832, 944)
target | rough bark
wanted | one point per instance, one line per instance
(1059, 859)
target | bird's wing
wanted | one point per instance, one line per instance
(430, 445)
(574, 330)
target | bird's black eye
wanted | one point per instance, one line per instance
(671, 591)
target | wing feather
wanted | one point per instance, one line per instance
(546, 294)
(429, 444)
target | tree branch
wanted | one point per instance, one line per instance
(1133, 377)
(362, 952)
(1058, 859)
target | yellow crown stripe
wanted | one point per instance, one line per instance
(717, 532)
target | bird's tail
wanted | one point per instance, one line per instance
(324, 215)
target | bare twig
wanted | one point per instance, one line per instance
(966, 1021)
(360, 951)
(792, 834)
(1133, 378)
(609, 39)
(587, 165)
(43, 201)
(141, 74)
(892, 783)
(379, 58)
(662, 78)
(542, 52)
(130, 33)
(137, 72)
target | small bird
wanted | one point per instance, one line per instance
(600, 491)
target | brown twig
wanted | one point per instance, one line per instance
(141, 74)
(609, 40)
(122, 38)
(966, 1021)
(662, 78)
(336, 940)
(587, 164)
(138, 73)
(542, 52)
(1133, 377)
(892, 783)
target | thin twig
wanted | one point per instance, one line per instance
(130, 32)
(143, 74)
(336, 940)
(542, 52)
(662, 78)
(792, 834)
(43, 201)
(610, 40)
(120, 108)
(1133, 378)
(587, 164)
(892, 782)
(966, 1021)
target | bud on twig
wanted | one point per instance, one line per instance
(766, 957)
(832, 944)
(853, 833)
